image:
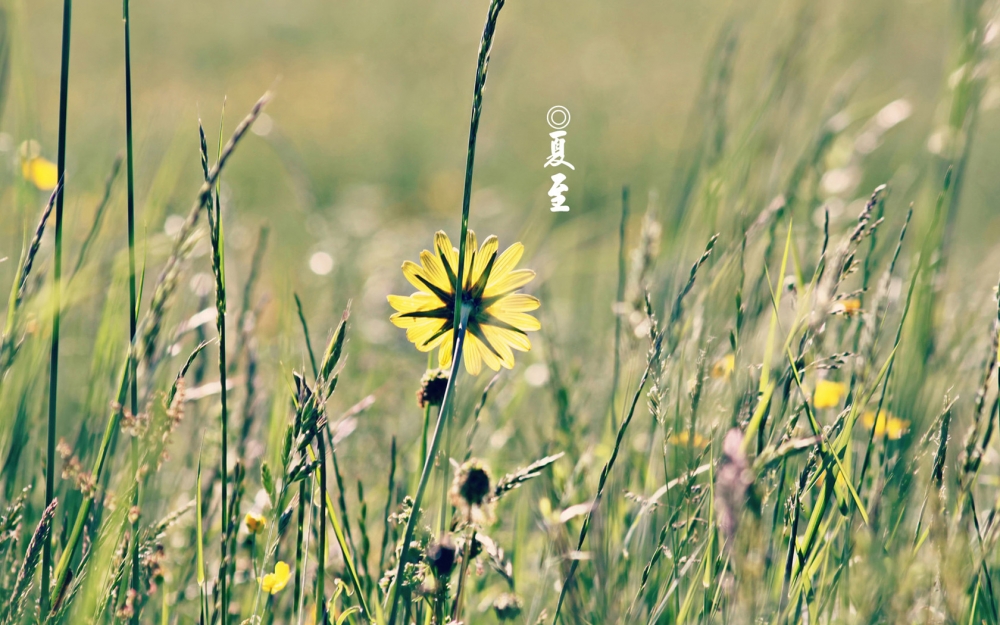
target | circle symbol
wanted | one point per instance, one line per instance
(558, 117)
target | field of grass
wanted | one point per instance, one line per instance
(750, 377)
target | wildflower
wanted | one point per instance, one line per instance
(273, 583)
(723, 367)
(441, 557)
(886, 425)
(38, 171)
(847, 307)
(507, 606)
(254, 522)
(828, 394)
(684, 439)
(471, 489)
(432, 387)
(733, 480)
(497, 315)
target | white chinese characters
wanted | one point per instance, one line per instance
(558, 118)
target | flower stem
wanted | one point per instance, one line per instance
(50, 457)
(425, 474)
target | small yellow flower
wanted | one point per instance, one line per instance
(498, 319)
(684, 439)
(828, 394)
(887, 424)
(254, 522)
(273, 583)
(723, 367)
(847, 307)
(40, 172)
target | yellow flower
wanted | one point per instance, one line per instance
(724, 366)
(683, 439)
(828, 394)
(40, 172)
(847, 307)
(887, 424)
(254, 522)
(273, 583)
(498, 319)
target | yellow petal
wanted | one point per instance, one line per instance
(40, 172)
(723, 367)
(415, 302)
(518, 302)
(500, 344)
(446, 347)
(506, 262)
(472, 355)
(411, 271)
(516, 340)
(483, 257)
(443, 246)
(828, 394)
(470, 252)
(434, 270)
(421, 334)
(521, 321)
(510, 282)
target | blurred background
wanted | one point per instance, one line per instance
(702, 108)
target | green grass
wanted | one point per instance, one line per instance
(663, 454)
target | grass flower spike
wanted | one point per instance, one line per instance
(498, 319)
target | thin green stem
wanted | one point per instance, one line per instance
(132, 296)
(50, 456)
(425, 474)
(321, 548)
(485, 46)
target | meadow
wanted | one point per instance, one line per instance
(293, 335)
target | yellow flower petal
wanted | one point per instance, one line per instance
(684, 439)
(413, 272)
(518, 302)
(723, 367)
(40, 172)
(506, 262)
(443, 247)
(504, 355)
(470, 253)
(483, 257)
(514, 339)
(254, 522)
(512, 281)
(887, 425)
(422, 334)
(828, 394)
(273, 583)
(434, 270)
(445, 349)
(472, 355)
(521, 321)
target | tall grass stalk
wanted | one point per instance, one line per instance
(150, 320)
(50, 449)
(132, 298)
(219, 269)
(461, 313)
